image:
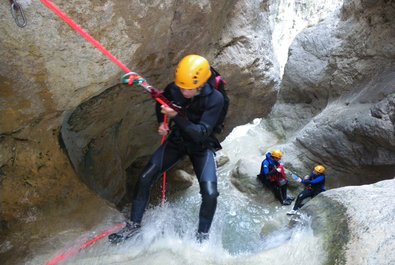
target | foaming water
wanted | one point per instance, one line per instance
(167, 237)
(244, 231)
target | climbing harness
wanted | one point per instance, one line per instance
(18, 14)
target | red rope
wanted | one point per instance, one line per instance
(109, 55)
(84, 34)
(71, 252)
(165, 122)
(97, 44)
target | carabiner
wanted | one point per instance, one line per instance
(125, 78)
(133, 78)
(20, 20)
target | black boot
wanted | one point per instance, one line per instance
(290, 198)
(130, 230)
(201, 237)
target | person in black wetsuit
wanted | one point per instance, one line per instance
(191, 134)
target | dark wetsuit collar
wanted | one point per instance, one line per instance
(205, 90)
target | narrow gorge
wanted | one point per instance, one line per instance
(315, 79)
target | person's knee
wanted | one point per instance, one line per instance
(149, 174)
(209, 190)
(301, 196)
(209, 199)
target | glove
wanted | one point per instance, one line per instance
(299, 180)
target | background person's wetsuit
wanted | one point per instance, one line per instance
(191, 135)
(315, 184)
(272, 179)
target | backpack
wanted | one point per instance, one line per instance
(220, 86)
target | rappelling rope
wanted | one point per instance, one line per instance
(84, 34)
(72, 251)
(133, 78)
(165, 122)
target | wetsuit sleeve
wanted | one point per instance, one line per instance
(159, 115)
(203, 129)
(307, 181)
(266, 169)
(315, 181)
(318, 180)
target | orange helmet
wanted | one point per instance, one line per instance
(277, 154)
(319, 169)
(192, 72)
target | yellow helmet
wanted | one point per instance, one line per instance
(319, 169)
(277, 154)
(192, 72)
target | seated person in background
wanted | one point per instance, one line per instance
(272, 175)
(314, 185)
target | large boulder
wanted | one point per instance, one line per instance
(356, 223)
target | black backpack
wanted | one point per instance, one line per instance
(220, 86)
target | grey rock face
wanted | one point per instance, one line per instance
(357, 223)
(337, 109)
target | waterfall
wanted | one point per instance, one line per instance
(291, 17)
(245, 230)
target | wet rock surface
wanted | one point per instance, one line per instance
(338, 108)
(69, 132)
(356, 221)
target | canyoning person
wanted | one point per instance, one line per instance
(314, 185)
(191, 133)
(272, 175)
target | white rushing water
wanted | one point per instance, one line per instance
(244, 231)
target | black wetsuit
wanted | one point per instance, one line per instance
(191, 135)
